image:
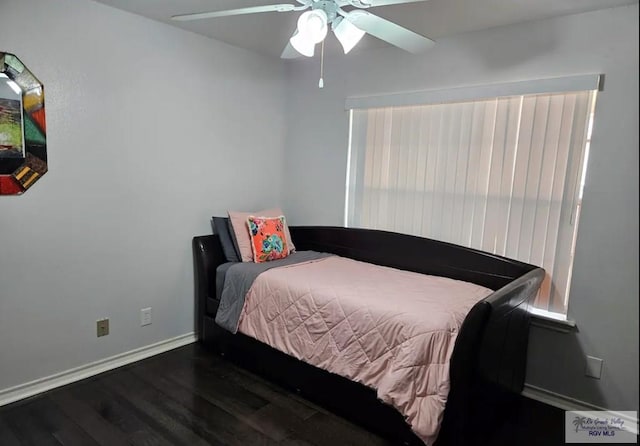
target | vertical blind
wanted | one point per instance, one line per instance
(502, 175)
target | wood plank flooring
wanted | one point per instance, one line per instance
(191, 397)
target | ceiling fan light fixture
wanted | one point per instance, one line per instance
(312, 29)
(349, 25)
(302, 44)
(348, 34)
(313, 24)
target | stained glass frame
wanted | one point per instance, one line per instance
(18, 174)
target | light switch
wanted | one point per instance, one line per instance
(145, 316)
(594, 367)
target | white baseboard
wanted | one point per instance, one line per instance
(21, 391)
(567, 403)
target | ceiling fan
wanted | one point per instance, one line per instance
(349, 26)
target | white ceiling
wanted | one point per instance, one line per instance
(267, 33)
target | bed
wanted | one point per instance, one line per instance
(487, 363)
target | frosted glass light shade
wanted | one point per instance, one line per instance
(302, 44)
(348, 34)
(313, 24)
(312, 29)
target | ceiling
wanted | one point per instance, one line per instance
(267, 33)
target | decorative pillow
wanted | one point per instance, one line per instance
(268, 238)
(240, 231)
(222, 228)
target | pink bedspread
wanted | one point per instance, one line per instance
(391, 330)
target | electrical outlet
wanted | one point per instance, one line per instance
(102, 327)
(594, 367)
(145, 316)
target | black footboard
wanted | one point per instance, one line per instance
(489, 358)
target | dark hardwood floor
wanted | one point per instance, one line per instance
(191, 397)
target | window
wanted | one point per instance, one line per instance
(502, 174)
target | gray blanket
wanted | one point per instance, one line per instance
(235, 279)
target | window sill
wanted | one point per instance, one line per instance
(553, 323)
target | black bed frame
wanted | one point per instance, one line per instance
(488, 362)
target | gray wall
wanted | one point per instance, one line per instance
(604, 296)
(151, 130)
(132, 178)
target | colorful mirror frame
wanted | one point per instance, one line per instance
(21, 167)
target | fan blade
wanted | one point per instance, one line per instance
(389, 32)
(290, 52)
(374, 3)
(230, 12)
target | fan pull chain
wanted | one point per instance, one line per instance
(321, 83)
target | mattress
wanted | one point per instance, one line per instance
(388, 329)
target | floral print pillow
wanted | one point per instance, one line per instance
(268, 239)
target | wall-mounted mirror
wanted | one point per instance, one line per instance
(23, 142)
